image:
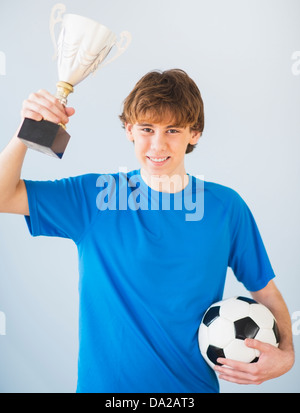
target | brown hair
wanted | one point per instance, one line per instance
(159, 94)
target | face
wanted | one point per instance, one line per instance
(160, 148)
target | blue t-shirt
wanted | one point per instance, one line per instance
(150, 264)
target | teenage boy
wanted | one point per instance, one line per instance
(147, 273)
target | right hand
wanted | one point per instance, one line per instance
(43, 105)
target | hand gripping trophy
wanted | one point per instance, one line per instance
(82, 47)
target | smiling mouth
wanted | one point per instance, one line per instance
(158, 160)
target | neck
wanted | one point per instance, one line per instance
(165, 183)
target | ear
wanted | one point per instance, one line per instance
(128, 129)
(195, 136)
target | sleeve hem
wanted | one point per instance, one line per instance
(32, 220)
(262, 284)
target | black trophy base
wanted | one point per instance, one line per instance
(44, 136)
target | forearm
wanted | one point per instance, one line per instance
(272, 299)
(11, 162)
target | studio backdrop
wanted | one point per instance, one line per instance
(245, 57)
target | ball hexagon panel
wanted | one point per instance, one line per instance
(228, 333)
(203, 337)
(261, 315)
(267, 336)
(237, 350)
(233, 309)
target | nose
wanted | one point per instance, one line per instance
(158, 141)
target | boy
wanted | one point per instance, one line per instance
(147, 273)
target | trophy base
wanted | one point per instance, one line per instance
(44, 136)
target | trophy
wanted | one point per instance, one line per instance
(81, 48)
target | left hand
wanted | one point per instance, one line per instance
(273, 362)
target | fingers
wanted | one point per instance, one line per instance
(233, 364)
(70, 111)
(238, 372)
(238, 377)
(43, 105)
(258, 345)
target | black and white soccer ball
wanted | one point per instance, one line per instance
(226, 324)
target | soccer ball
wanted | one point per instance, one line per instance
(227, 323)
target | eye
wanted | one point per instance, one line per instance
(147, 130)
(172, 131)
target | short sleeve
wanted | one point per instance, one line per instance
(248, 256)
(62, 208)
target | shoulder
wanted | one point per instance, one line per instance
(80, 185)
(221, 199)
(90, 181)
(222, 194)
(86, 182)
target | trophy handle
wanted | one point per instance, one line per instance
(124, 37)
(57, 10)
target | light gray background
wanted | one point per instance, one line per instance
(240, 54)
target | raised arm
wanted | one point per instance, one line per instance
(13, 194)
